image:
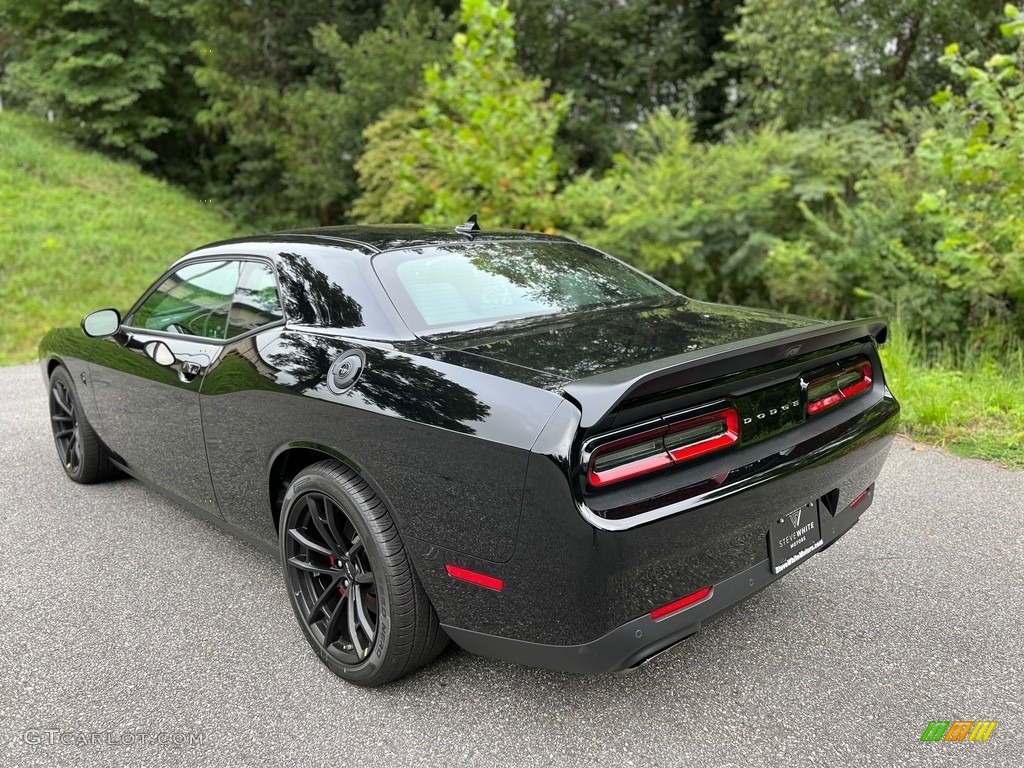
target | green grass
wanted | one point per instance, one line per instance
(79, 231)
(969, 401)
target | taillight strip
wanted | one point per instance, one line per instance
(731, 434)
(661, 455)
(841, 393)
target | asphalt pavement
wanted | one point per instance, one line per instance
(133, 633)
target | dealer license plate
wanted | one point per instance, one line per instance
(793, 536)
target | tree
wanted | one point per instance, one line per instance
(623, 60)
(113, 70)
(290, 94)
(485, 140)
(845, 59)
(327, 118)
(393, 149)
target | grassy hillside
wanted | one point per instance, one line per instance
(79, 232)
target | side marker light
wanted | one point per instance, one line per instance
(474, 577)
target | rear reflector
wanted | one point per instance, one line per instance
(683, 602)
(860, 497)
(473, 577)
(828, 391)
(668, 441)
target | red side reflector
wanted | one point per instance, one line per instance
(473, 577)
(860, 497)
(683, 602)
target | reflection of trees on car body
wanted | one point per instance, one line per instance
(390, 381)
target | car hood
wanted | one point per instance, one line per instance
(572, 347)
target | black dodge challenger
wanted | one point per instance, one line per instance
(506, 439)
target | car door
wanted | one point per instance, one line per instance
(147, 403)
(240, 397)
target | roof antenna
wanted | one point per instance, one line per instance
(469, 227)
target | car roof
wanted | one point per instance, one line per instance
(373, 239)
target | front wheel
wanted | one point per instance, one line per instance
(79, 449)
(358, 601)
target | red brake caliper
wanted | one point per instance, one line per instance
(334, 563)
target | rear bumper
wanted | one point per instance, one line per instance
(632, 643)
(578, 598)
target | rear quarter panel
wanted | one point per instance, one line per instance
(447, 447)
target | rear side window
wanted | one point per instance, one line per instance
(256, 301)
(325, 287)
(195, 300)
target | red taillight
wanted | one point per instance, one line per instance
(474, 577)
(673, 440)
(631, 456)
(683, 602)
(691, 438)
(828, 391)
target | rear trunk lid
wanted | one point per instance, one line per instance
(606, 359)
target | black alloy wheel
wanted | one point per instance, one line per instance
(353, 590)
(65, 427)
(79, 450)
(332, 579)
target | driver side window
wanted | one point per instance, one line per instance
(195, 300)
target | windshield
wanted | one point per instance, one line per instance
(476, 284)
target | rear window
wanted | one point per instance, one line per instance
(475, 284)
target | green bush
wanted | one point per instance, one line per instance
(707, 218)
(973, 156)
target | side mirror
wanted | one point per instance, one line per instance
(101, 323)
(160, 353)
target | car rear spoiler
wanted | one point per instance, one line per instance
(599, 395)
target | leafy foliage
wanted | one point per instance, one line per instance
(291, 95)
(847, 60)
(485, 140)
(870, 256)
(921, 221)
(706, 217)
(394, 151)
(622, 61)
(973, 156)
(326, 119)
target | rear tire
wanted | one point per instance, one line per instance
(79, 449)
(352, 587)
